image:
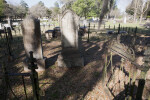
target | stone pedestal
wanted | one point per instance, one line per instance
(70, 55)
(70, 58)
(33, 42)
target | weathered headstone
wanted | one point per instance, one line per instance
(85, 22)
(1, 26)
(32, 41)
(9, 23)
(48, 34)
(71, 55)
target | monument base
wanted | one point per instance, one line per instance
(41, 63)
(70, 58)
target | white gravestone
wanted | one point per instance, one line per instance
(71, 55)
(32, 41)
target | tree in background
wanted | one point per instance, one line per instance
(115, 13)
(138, 8)
(130, 10)
(23, 9)
(2, 6)
(39, 10)
(107, 5)
(49, 12)
(55, 11)
(56, 8)
(84, 8)
(144, 7)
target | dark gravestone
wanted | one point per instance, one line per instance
(110, 32)
(32, 41)
(71, 55)
(123, 32)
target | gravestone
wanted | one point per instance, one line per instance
(71, 54)
(32, 42)
(48, 34)
(85, 22)
(9, 23)
(1, 26)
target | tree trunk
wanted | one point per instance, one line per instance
(135, 9)
(125, 19)
(141, 17)
(135, 13)
(103, 12)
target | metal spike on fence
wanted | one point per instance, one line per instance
(88, 33)
(34, 77)
(24, 87)
(129, 30)
(119, 29)
(114, 27)
(134, 38)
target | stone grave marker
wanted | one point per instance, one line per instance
(71, 54)
(1, 26)
(9, 22)
(33, 42)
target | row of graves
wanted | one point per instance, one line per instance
(71, 55)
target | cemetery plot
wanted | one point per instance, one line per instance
(77, 82)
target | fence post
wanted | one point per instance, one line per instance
(94, 26)
(24, 87)
(5, 79)
(8, 44)
(128, 30)
(34, 77)
(109, 26)
(88, 33)
(114, 27)
(104, 26)
(134, 38)
(119, 29)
